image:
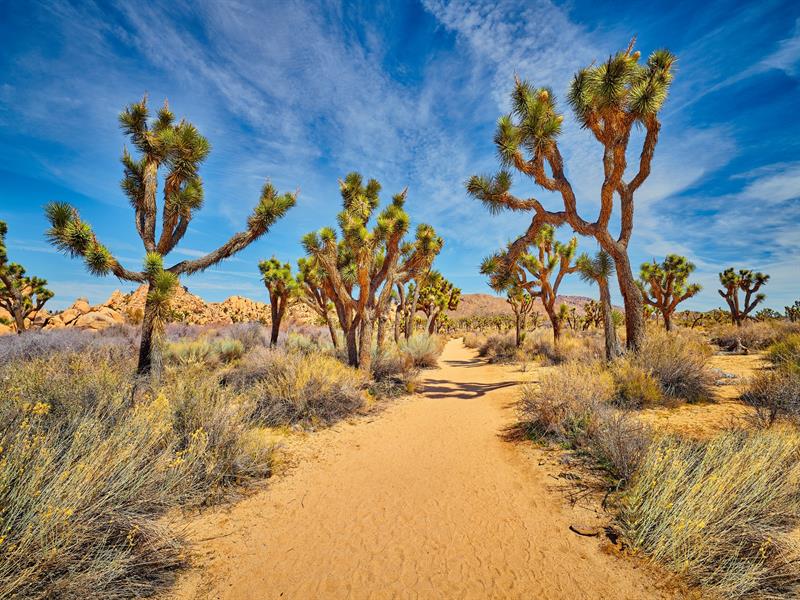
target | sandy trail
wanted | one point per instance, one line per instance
(426, 500)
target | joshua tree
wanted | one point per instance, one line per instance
(767, 314)
(281, 286)
(178, 149)
(793, 312)
(361, 269)
(20, 295)
(311, 281)
(521, 303)
(436, 296)
(552, 261)
(599, 269)
(749, 283)
(664, 285)
(592, 315)
(608, 99)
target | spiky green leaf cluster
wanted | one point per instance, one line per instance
(19, 292)
(75, 237)
(665, 281)
(595, 268)
(621, 86)
(490, 189)
(277, 276)
(271, 207)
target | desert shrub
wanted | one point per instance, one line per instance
(785, 353)
(719, 512)
(618, 442)
(290, 387)
(774, 395)
(753, 335)
(678, 361)
(393, 373)
(302, 344)
(206, 351)
(250, 335)
(422, 349)
(635, 386)
(564, 402)
(215, 424)
(118, 340)
(499, 348)
(87, 474)
(579, 348)
(474, 340)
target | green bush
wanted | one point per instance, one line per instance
(635, 386)
(210, 352)
(499, 348)
(785, 353)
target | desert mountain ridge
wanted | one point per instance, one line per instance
(190, 308)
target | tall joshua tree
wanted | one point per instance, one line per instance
(313, 293)
(599, 269)
(608, 99)
(361, 269)
(437, 296)
(665, 285)
(22, 296)
(521, 303)
(176, 149)
(547, 266)
(281, 286)
(749, 283)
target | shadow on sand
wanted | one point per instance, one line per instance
(444, 388)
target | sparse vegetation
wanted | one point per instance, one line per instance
(421, 349)
(720, 512)
(747, 282)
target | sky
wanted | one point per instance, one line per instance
(409, 93)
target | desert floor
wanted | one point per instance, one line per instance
(425, 499)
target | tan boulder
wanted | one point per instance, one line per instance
(95, 321)
(6, 329)
(81, 305)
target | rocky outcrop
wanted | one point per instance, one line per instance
(186, 308)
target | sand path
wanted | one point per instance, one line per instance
(425, 500)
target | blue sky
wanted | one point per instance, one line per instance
(408, 93)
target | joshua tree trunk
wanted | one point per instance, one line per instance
(398, 316)
(612, 345)
(365, 344)
(519, 323)
(668, 321)
(329, 323)
(381, 331)
(275, 313)
(634, 304)
(151, 345)
(412, 313)
(555, 321)
(351, 339)
(19, 321)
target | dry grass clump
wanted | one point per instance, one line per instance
(585, 348)
(564, 402)
(293, 387)
(635, 386)
(499, 348)
(393, 373)
(86, 474)
(753, 335)
(775, 395)
(719, 512)
(785, 353)
(203, 351)
(679, 362)
(422, 350)
(618, 442)
(474, 340)
(119, 340)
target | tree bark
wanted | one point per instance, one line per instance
(612, 345)
(365, 344)
(556, 323)
(275, 313)
(667, 321)
(634, 305)
(351, 339)
(19, 320)
(381, 337)
(329, 323)
(151, 345)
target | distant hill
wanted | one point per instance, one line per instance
(472, 305)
